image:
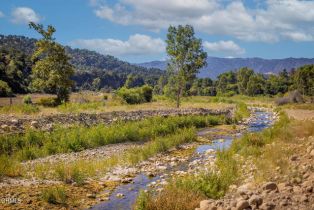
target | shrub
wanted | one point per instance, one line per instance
(147, 93)
(69, 174)
(5, 90)
(27, 99)
(49, 102)
(9, 167)
(136, 95)
(105, 97)
(55, 195)
(293, 97)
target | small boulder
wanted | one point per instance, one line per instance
(270, 186)
(205, 204)
(256, 200)
(242, 204)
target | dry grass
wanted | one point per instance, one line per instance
(174, 199)
(93, 102)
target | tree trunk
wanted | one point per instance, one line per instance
(179, 95)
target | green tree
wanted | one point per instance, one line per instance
(52, 70)
(243, 76)
(159, 87)
(256, 85)
(186, 58)
(5, 90)
(133, 81)
(303, 80)
(227, 83)
(96, 84)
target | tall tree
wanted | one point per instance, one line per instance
(304, 80)
(186, 58)
(52, 70)
(243, 76)
(256, 85)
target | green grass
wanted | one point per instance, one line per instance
(34, 144)
(79, 170)
(9, 167)
(55, 195)
(20, 109)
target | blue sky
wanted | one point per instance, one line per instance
(135, 30)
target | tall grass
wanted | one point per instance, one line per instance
(79, 170)
(34, 143)
(20, 109)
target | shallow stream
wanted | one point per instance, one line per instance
(259, 120)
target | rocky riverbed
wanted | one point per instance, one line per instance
(199, 156)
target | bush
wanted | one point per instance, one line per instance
(27, 99)
(136, 95)
(5, 90)
(49, 102)
(9, 167)
(147, 93)
(55, 195)
(293, 97)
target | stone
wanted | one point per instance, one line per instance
(34, 124)
(312, 153)
(242, 204)
(256, 200)
(91, 195)
(294, 158)
(205, 204)
(270, 186)
(119, 195)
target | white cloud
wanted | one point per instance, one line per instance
(275, 20)
(299, 36)
(137, 44)
(1, 14)
(225, 47)
(24, 15)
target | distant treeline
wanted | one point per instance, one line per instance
(246, 82)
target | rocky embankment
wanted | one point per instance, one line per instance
(13, 124)
(293, 190)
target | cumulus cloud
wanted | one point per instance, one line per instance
(269, 23)
(226, 47)
(137, 44)
(24, 15)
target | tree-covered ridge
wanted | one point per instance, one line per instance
(89, 65)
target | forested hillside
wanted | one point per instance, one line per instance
(217, 66)
(15, 66)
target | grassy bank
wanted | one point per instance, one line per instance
(268, 150)
(79, 170)
(34, 144)
(159, 130)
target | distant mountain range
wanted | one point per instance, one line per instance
(217, 66)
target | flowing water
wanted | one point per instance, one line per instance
(259, 121)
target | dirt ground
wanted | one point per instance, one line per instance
(300, 114)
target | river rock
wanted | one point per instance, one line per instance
(242, 204)
(270, 186)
